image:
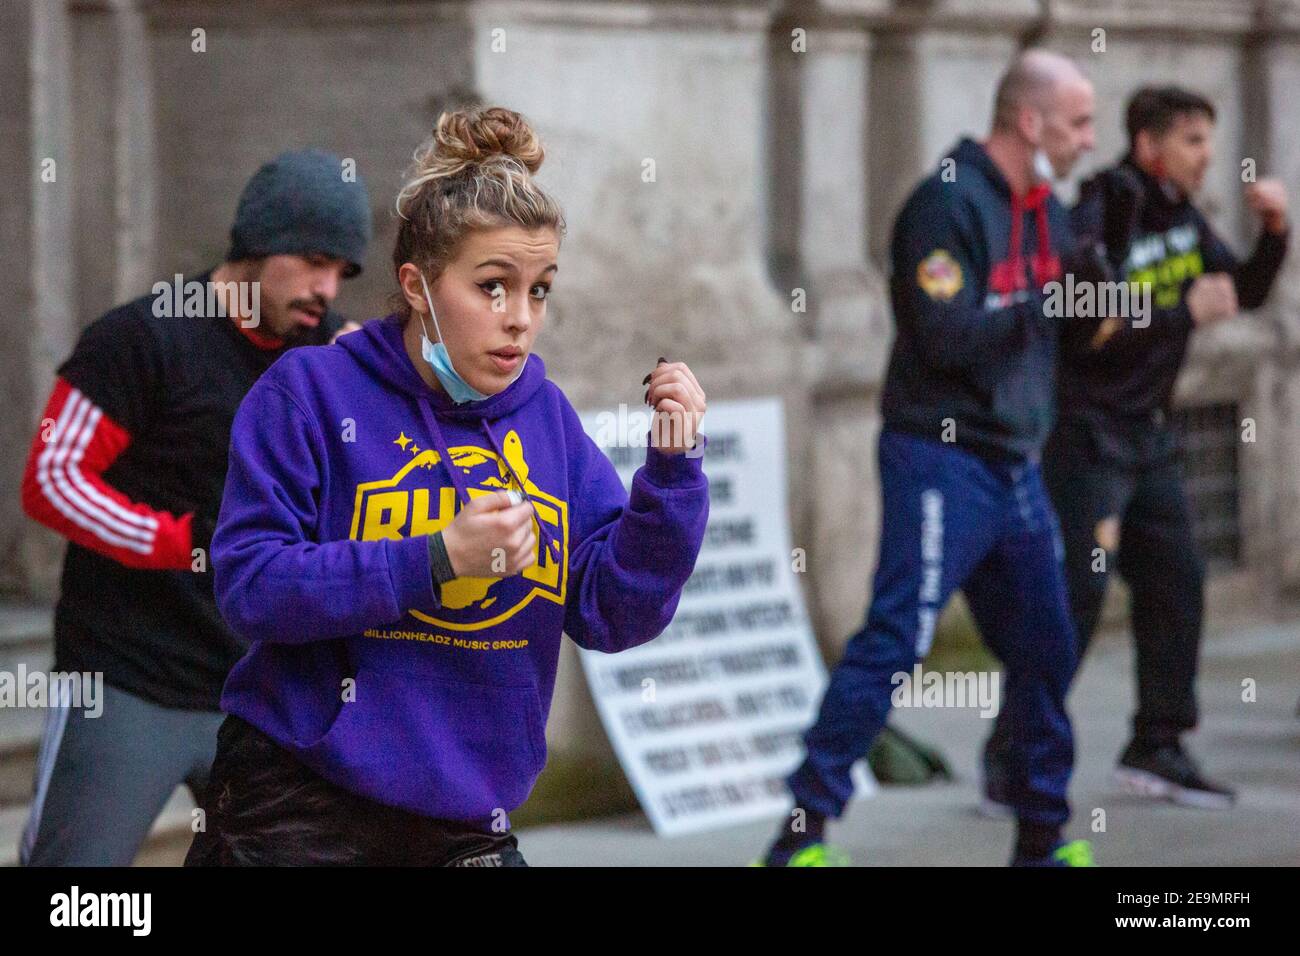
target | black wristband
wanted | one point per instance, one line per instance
(439, 562)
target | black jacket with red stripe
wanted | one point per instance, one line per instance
(128, 464)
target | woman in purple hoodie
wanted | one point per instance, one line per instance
(411, 519)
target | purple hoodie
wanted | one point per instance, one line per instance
(339, 468)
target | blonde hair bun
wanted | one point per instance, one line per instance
(474, 171)
(477, 134)
(474, 136)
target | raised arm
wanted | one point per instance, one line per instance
(633, 553)
(104, 396)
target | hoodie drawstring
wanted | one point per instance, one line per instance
(1009, 275)
(543, 535)
(431, 423)
(1047, 266)
(440, 443)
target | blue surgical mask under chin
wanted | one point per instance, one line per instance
(459, 390)
(435, 353)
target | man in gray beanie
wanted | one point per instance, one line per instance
(299, 229)
(129, 465)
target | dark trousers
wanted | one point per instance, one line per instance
(1134, 519)
(951, 519)
(264, 808)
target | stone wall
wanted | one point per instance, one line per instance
(783, 137)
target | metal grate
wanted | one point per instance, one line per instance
(1209, 436)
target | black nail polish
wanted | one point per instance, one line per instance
(662, 360)
(646, 380)
(646, 399)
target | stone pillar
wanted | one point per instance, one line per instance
(17, 149)
(934, 74)
(886, 90)
(37, 278)
(820, 120)
(115, 152)
(87, 243)
(364, 79)
(661, 168)
(1271, 509)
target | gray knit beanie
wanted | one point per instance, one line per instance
(299, 204)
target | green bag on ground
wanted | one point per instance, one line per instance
(896, 758)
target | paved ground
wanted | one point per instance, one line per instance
(1256, 746)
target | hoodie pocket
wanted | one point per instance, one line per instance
(441, 748)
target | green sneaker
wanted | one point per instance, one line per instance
(819, 854)
(815, 854)
(1074, 853)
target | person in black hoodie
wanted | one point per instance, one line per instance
(1111, 463)
(129, 465)
(967, 404)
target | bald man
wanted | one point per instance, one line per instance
(966, 407)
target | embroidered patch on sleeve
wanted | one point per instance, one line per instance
(939, 275)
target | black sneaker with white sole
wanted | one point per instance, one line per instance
(1168, 773)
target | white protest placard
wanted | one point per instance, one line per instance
(707, 719)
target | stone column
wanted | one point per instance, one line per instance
(820, 98)
(1271, 509)
(116, 153)
(934, 74)
(653, 116)
(37, 278)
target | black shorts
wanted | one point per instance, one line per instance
(265, 808)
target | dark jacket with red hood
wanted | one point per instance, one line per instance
(974, 356)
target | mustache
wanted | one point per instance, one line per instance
(316, 303)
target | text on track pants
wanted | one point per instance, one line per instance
(952, 519)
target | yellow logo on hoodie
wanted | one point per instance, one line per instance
(404, 505)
